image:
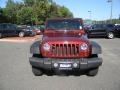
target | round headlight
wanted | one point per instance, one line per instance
(84, 46)
(46, 46)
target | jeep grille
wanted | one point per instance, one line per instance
(64, 50)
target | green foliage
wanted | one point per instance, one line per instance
(64, 12)
(3, 18)
(32, 11)
(24, 15)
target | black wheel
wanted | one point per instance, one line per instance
(21, 34)
(93, 72)
(37, 71)
(1, 35)
(110, 35)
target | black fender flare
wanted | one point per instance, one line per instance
(95, 48)
(35, 48)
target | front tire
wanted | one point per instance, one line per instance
(21, 34)
(93, 72)
(110, 35)
(36, 71)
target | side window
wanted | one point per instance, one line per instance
(100, 27)
(110, 26)
(104, 26)
(10, 27)
(4, 26)
(13, 27)
(96, 26)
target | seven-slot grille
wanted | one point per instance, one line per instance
(65, 50)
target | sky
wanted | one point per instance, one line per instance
(100, 9)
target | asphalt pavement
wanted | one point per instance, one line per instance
(16, 74)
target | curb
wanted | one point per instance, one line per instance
(8, 40)
(19, 40)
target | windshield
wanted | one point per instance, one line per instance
(64, 25)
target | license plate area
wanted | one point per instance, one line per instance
(65, 65)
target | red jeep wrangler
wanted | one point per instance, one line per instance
(64, 47)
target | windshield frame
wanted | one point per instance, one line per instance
(65, 24)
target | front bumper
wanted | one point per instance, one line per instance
(65, 64)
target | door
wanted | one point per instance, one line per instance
(98, 30)
(11, 30)
(5, 29)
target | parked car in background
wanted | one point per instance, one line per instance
(8, 29)
(36, 30)
(104, 30)
(28, 31)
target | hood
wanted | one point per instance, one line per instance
(64, 35)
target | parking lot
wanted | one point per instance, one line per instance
(16, 74)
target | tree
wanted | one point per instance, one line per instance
(33, 11)
(10, 11)
(24, 16)
(64, 12)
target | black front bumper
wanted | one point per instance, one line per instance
(65, 64)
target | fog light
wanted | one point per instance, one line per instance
(55, 64)
(75, 65)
